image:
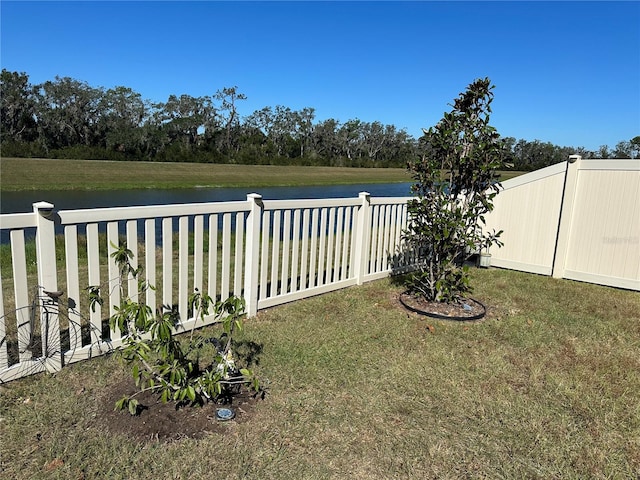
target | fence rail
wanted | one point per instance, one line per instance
(269, 252)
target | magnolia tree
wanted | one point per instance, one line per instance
(455, 182)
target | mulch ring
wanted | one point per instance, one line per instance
(467, 309)
(164, 422)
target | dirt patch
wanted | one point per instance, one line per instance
(465, 310)
(163, 421)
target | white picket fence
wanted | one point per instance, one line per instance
(270, 252)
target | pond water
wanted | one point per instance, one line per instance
(21, 202)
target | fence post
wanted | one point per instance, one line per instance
(363, 234)
(566, 215)
(48, 281)
(252, 252)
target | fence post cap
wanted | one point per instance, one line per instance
(254, 200)
(574, 158)
(43, 208)
(43, 205)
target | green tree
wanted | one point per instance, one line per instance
(67, 111)
(623, 150)
(350, 139)
(302, 123)
(374, 139)
(635, 146)
(455, 183)
(259, 125)
(603, 152)
(228, 114)
(324, 141)
(282, 129)
(122, 113)
(184, 117)
(398, 148)
(17, 107)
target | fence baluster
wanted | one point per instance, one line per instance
(150, 260)
(275, 253)
(213, 257)
(226, 255)
(295, 251)
(252, 255)
(286, 252)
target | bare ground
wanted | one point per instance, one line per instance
(165, 422)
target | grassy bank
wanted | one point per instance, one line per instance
(35, 174)
(18, 174)
(548, 386)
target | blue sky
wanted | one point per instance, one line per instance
(565, 72)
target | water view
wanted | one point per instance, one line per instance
(21, 202)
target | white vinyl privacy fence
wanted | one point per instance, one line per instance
(578, 220)
(269, 252)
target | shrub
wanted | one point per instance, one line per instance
(456, 180)
(163, 364)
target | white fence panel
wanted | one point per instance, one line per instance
(180, 254)
(603, 227)
(528, 211)
(578, 219)
(20, 347)
(383, 241)
(303, 245)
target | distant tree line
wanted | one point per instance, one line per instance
(67, 118)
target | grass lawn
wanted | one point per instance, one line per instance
(41, 174)
(27, 174)
(548, 386)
